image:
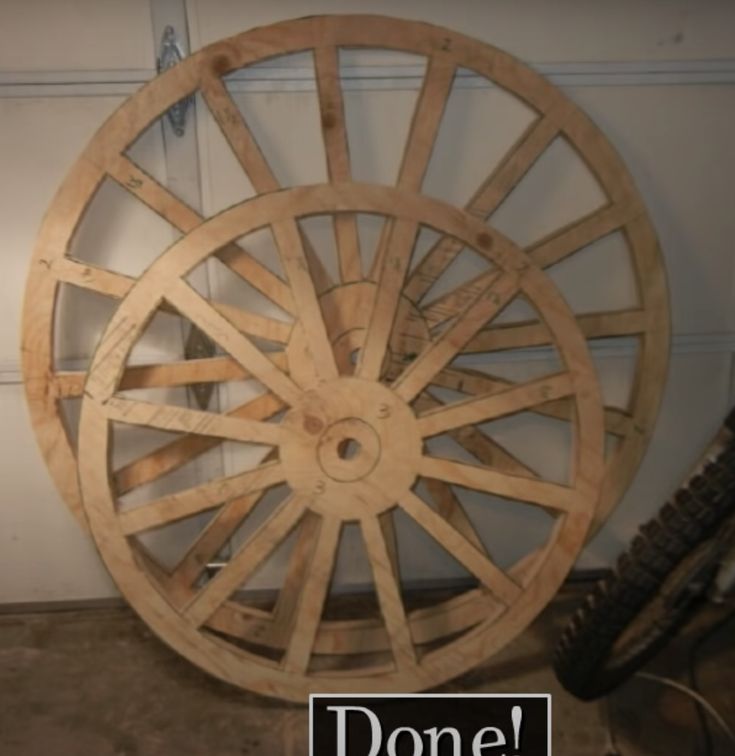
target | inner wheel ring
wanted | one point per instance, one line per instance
(183, 624)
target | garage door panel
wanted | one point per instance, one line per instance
(44, 555)
(564, 31)
(81, 35)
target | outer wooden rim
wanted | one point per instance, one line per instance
(180, 626)
(50, 264)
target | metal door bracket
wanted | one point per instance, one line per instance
(169, 55)
(199, 346)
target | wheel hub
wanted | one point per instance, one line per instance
(352, 447)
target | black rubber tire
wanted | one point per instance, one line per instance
(626, 608)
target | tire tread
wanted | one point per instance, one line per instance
(585, 649)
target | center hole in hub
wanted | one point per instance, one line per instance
(348, 448)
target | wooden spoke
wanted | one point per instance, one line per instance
(183, 420)
(477, 443)
(428, 271)
(444, 308)
(258, 276)
(389, 593)
(238, 135)
(395, 263)
(253, 162)
(422, 134)
(497, 404)
(214, 536)
(175, 454)
(516, 163)
(191, 304)
(322, 281)
(255, 325)
(546, 252)
(70, 383)
(450, 508)
(390, 536)
(289, 595)
(246, 561)
(209, 495)
(334, 129)
(607, 324)
(185, 219)
(547, 495)
(617, 421)
(427, 116)
(490, 453)
(185, 372)
(85, 276)
(558, 245)
(440, 352)
(598, 325)
(154, 195)
(309, 311)
(487, 198)
(313, 596)
(117, 285)
(477, 563)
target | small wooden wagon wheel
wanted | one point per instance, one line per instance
(54, 267)
(312, 414)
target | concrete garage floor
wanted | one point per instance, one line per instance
(96, 682)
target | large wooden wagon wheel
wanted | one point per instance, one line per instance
(350, 443)
(106, 156)
(53, 265)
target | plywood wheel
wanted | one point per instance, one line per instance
(628, 424)
(346, 427)
(426, 319)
